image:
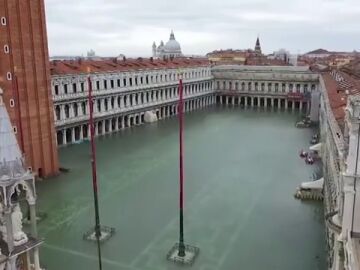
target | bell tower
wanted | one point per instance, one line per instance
(257, 46)
(25, 80)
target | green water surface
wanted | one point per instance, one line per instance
(242, 169)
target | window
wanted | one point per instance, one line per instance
(15, 129)
(124, 81)
(8, 76)
(82, 87)
(3, 21)
(74, 87)
(262, 87)
(147, 79)
(130, 81)
(283, 87)
(111, 84)
(12, 103)
(118, 82)
(97, 85)
(105, 84)
(65, 88)
(6, 49)
(56, 89)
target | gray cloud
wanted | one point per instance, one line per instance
(111, 27)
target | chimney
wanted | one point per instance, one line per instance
(151, 59)
(115, 60)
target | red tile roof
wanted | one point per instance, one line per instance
(338, 86)
(79, 66)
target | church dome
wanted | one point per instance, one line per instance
(172, 46)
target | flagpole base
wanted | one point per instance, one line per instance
(191, 253)
(105, 234)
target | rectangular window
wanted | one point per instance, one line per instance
(74, 87)
(130, 81)
(105, 84)
(124, 81)
(97, 85)
(82, 87)
(118, 82)
(111, 84)
(56, 89)
(65, 88)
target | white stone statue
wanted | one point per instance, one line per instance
(16, 217)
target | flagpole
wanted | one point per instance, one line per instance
(181, 252)
(94, 175)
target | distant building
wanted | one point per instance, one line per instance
(171, 49)
(257, 46)
(319, 53)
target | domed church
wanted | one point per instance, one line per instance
(169, 50)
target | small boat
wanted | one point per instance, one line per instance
(309, 160)
(303, 154)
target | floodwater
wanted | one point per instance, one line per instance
(242, 169)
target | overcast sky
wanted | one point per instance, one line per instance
(113, 27)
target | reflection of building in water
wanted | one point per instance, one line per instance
(16, 184)
(169, 50)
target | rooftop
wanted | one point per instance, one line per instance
(338, 86)
(80, 66)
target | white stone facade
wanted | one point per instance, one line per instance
(265, 86)
(340, 146)
(121, 99)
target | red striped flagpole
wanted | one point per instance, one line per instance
(94, 174)
(181, 251)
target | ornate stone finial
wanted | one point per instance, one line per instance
(172, 36)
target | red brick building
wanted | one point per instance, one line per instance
(25, 80)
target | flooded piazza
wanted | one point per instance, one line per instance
(241, 171)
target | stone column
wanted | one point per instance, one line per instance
(63, 136)
(252, 101)
(34, 233)
(110, 125)
(272, 102)
(96, 127)
(122, 105)
(286, 104)
(62, 112)
(103, 127)
(102, 104)
(72, 135)
(293, 106)
(265, 102)
(9, 228)
(300, 106)
(81, 133)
